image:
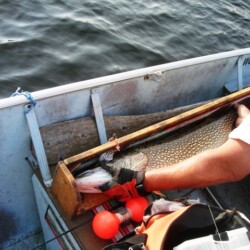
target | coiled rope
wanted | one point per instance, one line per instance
(28, 95)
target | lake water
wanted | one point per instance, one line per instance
(50, 43)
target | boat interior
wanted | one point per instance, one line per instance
(73, 123)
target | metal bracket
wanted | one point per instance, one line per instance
(240, 84)
(32, 161)
(99, 117)
(242, 61)
(38, 145)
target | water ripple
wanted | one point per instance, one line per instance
(50, 43)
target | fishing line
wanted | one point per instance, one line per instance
(60, 235)
(188, 193)
(209, 192)
(113, 206)
(216, 228)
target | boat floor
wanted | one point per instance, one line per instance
(229, 196)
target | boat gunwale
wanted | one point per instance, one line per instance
(105, 80)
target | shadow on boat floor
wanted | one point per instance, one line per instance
(229, 196)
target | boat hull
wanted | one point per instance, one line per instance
(143, 91)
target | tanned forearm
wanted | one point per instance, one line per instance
(230, 162)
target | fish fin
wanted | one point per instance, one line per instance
(92, 179)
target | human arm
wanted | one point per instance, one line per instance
(227, 163)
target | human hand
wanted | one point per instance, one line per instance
(125, 183)
(241, 132)
(243, 112)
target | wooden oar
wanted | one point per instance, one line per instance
(188, 116)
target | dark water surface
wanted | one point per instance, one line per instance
(49, 43)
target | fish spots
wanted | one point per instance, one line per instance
(135, 161)
(180, 146)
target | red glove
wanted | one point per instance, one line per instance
(125, 183)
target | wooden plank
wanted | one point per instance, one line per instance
(65, 191)
(182, 118)
(65, 139)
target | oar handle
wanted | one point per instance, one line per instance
(188, 116)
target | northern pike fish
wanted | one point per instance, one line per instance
(176, 145)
